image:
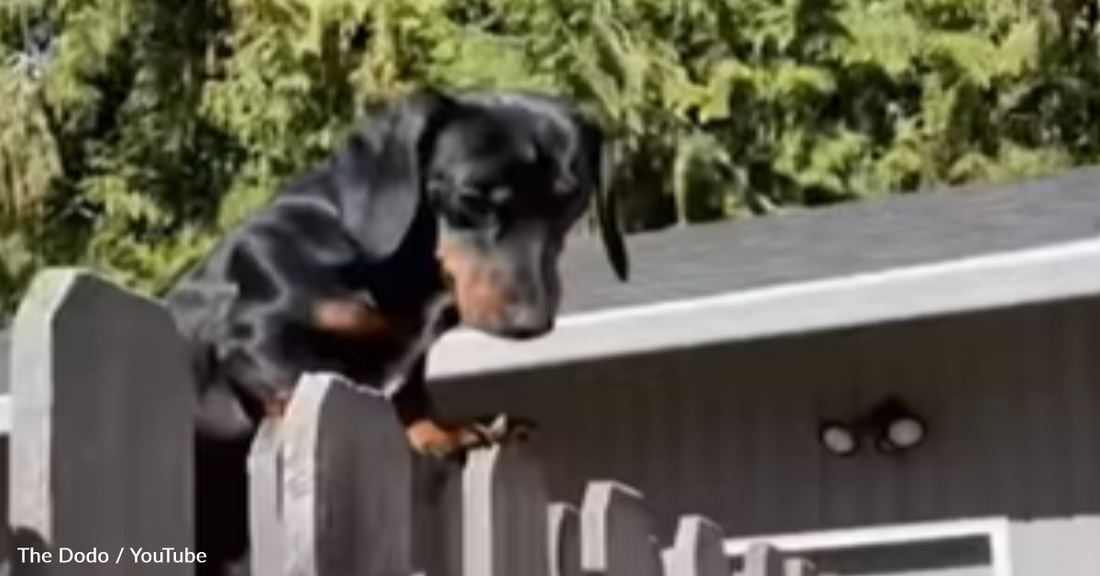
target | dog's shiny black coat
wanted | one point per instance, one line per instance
(467, 194)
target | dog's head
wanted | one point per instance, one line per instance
(505, 176)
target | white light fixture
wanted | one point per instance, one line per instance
(839, 438)
(903, 432)
(889, 425)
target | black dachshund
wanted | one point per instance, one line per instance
(440, 210)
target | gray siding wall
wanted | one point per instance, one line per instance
(1012, 399)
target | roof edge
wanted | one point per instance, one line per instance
(1062, 271)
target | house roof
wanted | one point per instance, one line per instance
(842, 240)
(879, 260)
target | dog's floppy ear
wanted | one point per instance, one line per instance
(598, 157)
(378, 174)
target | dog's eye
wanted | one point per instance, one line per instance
(565, 186)
(473, 209)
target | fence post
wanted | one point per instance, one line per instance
(762, 560)
(437, 505)
(268, 554)
(341, 482)
(697, 549)
(564, 540)
(616, 532)
(102, 426)
(798, 567)
(504, 507)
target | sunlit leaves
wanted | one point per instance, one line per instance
(153, 127)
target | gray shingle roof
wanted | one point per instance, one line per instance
(705, 260)
(874, 235)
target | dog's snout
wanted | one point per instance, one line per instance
(524, 323)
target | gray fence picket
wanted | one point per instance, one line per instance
(504, 506)
(762, 560)
(300, 482)
(697, 549)
(331, 486)
(437, 507)
(798, 567)
(616, 532)
(268, 539)
(565, 540)
(101, 426)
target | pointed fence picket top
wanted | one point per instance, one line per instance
(762, 559)
(798, 567)
(504, 507)
(616, 532)
(269, 542)
(331, 486)
(101, 426)
(697, 549)
(565, 540)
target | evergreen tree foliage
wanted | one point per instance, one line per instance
(133, 133)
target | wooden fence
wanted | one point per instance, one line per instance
(99, 462)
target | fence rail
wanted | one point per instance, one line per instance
(101, 435)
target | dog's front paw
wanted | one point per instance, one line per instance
(431, 439)
(434, 440)
(501, 429)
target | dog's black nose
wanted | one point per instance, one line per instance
(523, 332)
(524, 325)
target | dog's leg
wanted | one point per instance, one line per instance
(352, 317)
(403, 381)
(427, 435)
(429, 438)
